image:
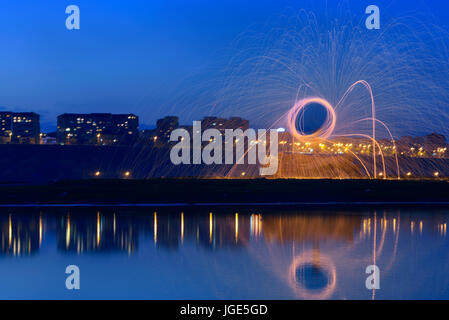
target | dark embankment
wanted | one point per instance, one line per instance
(227, 191)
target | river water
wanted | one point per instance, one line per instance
(224, 253)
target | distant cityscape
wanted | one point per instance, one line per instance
(106, 129)
(103, 129)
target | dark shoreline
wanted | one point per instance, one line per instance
(229, 192)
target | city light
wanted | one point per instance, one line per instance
(97, 173)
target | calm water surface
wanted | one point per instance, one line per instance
(257, 253)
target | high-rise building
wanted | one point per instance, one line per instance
(5, 127)
(222, 124)
(97, 128)
(19, 127)
(164, 127)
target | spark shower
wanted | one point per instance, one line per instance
(374, 85)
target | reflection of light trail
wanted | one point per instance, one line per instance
(374, 251)
(396, 242)
(325, 264)
(384, 232)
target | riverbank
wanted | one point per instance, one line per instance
(181, 192)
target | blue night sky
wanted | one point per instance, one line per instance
(129, 56)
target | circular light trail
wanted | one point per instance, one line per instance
(324, 132)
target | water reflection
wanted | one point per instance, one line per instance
(312, 254)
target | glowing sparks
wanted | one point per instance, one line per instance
(322, 133)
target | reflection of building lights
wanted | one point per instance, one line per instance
(412, 226)
(9, 231)
(210, 226)
(182, 226)
(255, 225)
(40, 230)
(394, 225)
(98, 229)
(67, 233)
(236, 227)
(155, 227)
(420, 227)
(114, 224)
(251, 225)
